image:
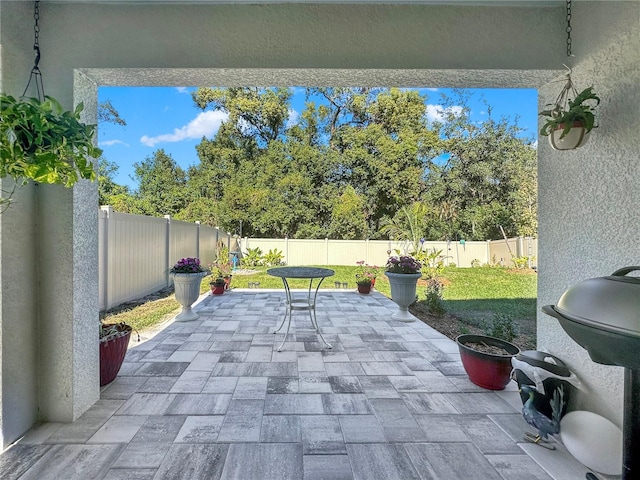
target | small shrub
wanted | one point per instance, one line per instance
(502, 326)
(253, 257)
(521, 262)
(452, 265)
(475, 263)
(273, 258)
(433, 294)
(432, 262)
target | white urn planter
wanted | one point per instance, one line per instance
(187, 288)
(403, 292)
(576, 137)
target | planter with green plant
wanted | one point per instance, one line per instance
(487, 358)
(364, 285)
(568, 122)
(114, 340)
(187, 275)
(366, 276)
(222, 270)
(40, 141)
(218, 286)
(403, 272)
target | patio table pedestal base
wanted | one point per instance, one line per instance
(308, 303)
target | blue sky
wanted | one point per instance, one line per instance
(166, 117)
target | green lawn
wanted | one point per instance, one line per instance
(471, 294)
(481, 292)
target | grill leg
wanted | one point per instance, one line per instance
(631, 426)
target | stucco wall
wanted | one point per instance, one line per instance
(589, 200)
(409, 45)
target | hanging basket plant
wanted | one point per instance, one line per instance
(569, 121)
(42, 142)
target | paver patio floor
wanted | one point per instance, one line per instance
(214, 399)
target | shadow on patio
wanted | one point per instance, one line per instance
(213, 399)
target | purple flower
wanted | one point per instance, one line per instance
(187, 265)
(403, 264)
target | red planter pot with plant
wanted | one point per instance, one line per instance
(218, 286)
(487, 360)
(114, 340)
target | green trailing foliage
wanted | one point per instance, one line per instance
(40, 141)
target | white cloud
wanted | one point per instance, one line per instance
(436, 113)
(182, 90)
(110, 143)
(293, 118)
(206, 124)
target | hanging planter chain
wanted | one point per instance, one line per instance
(569, 54)
(36, 74)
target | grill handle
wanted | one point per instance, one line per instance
(623, 271)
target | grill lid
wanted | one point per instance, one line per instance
(610, 303)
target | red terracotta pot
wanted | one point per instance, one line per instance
(487, 370)
(112, 355)
(217, 289)
(364, 289)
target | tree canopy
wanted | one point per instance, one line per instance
(355, 163)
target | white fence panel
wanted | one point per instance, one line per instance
(264, 244)
(373, 252)
(518, 246)
(183, 240)
(134, 256)
(306, 252)
(136, 252)
(208, 238)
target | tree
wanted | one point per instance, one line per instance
(254, 113)
(409, 224)
(487, 179)
(162, 184)
(107, 187)
(347, 217)
(108, 114)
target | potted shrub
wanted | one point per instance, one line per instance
(568, 122)
(364, 284)
(366, 271)
(222, 269)
(187, 275)
(41, 142)
(218, 286)
(114, 340)
(403, 272)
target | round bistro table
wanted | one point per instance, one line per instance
(309, 303)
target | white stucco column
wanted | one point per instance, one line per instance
(67, 253)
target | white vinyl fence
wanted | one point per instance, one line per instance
(136, 252)
(376, 252)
